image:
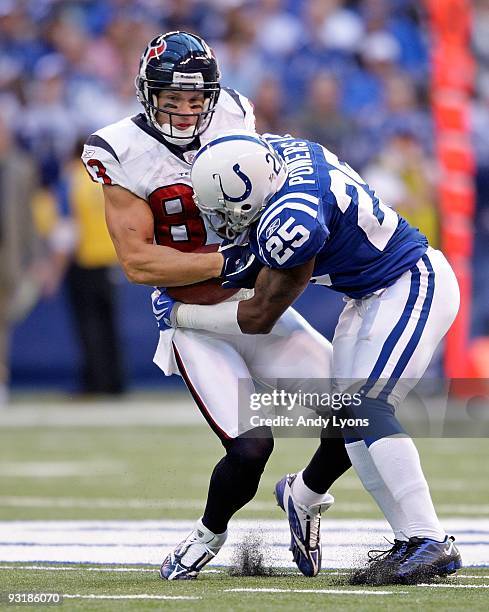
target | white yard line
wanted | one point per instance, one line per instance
(76, 568)
(316, 591)
(455, 586)
(51, 568)
(60, 469)
(139, 596)
(172, 411)
(469, 576)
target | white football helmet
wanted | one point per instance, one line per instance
(233, 177)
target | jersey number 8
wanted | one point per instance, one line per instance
(178, 223)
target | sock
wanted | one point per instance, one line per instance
(212, 540)
(373, 483)
(303, 494)
(328, 463)
(397, 461)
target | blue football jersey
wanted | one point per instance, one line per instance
(327, 211)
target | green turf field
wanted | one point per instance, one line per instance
(145, 464)
(142, 590)
(152, 471)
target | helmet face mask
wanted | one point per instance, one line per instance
(227, 223)
(178, 62)
(234, 176)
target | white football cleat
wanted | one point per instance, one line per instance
(190, 556)
(304, 523)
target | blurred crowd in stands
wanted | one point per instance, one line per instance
(353, 75)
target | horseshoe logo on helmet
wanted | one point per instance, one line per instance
(246, 180)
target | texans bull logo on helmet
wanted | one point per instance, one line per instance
(155, 49)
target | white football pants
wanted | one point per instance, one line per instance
(390, 337)
(212, 364)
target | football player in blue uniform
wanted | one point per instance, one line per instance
(308, 217)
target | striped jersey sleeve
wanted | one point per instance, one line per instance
(289, 232)
(102, 162)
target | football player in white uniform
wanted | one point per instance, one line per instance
(143, 163)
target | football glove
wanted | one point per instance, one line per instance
(164, 308)
(241, 267)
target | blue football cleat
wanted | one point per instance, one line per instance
(190, 556)
(391, 555)
(425, 559)
(381, 565)
(304, 523)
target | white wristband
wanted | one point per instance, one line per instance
(219, 318)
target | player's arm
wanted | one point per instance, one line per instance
(288, 252)
(275, 291)
(131, 227)
(288, 241)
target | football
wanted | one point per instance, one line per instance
(207, 292)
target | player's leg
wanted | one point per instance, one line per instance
(295, 357)
(349, 329)
(384, 355)
(211, 368)
(344, 342)
(235, 479)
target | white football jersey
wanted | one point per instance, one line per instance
(132, 154)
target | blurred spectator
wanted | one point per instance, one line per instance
(480, 309)
(314, 54)
(47, 126)
(279, 31)
(401, 111)
(270, 107)
(322, 119)
(403, 177)
(364, 89)
(19, 35)
(400, 19)
(239, 59)
(20, 247)
(341, 28)
(91, 281)
(480, 33)
(184, 15)
(404, 107)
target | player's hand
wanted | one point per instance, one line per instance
(240, 267)
(164, 309)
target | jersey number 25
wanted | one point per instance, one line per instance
(275, 244)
